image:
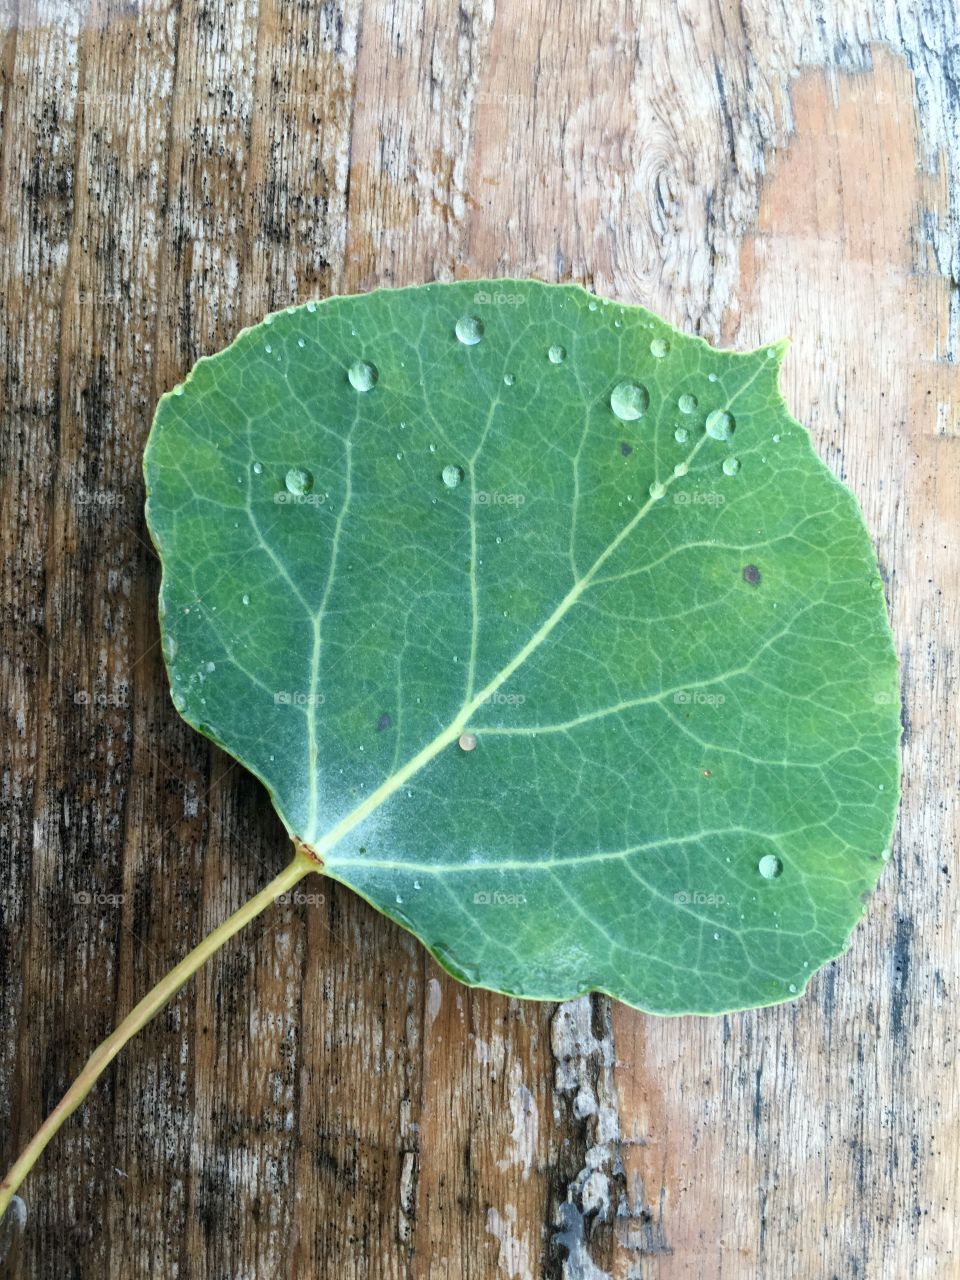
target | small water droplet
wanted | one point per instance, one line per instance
(618, 324)
(716, 937)
(245, 598)
(170, 646)
(416, 884)
(469, 329)
(399, 901)
(681, 435)
(298, 481)
(301, 342)
(451, 476)
(680, 469)
(432, 448)
(399, 457)
(508, 379)
(268, 319)
(467, 741)
(657, 490)
(659, 347)
(311, 307)
(629, 401)
(731, 466)
(711, 377)
(770, 866)
(258, 468)
(687, 403)
(776, 439)
(592, 304)
(792, 988)
(557, 354)
(362, 376)
(720, 424)
(178, 390)
(211, 666)
(268, 348)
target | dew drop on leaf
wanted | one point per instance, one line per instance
(451, 476)
(769, 866)
(659, 348)
(508, 379)
(557, 354)
(629, 401)
(298, 481)
(245, 599)
(657, 490)
(362, 376)
(469, 329)
(720, 424)
(731, 466)
(687, 403)
(681, 435)
(467, 742)
(258, 468)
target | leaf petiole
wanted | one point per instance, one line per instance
(303, 862)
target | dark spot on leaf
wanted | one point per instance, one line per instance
(626, 449)
(751, 574)
(384, 723)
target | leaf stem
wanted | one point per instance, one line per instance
(140, 1015)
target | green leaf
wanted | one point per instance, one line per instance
(546, 630)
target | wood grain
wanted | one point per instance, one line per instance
(322, 1100)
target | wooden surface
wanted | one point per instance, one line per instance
(322, 1101)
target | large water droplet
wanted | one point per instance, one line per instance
(657, 490)
(731, 466)
(467, 741)
(681, 435)
(508, 379)
(557, 354)
(469, 329)
(629, 400)
(687, 403)
(298, 481)
(659, 347)
(362, 375)
(720, 424)
(452, 476)
(769, 866)
(258, 468)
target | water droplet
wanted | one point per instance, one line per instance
(298, 481)
(731, 466)
(885, 854)
(245, 598)
(592, 304)
(776, 439)
(687, 403)
(416, 884)
(268, 319)
(769, 866)
(629, 401)
(659, 348)
(211, 666)
(680, 469)
(557, 354)
(711, 377)
(399, 901)
(469, 329)
(268, 348)
(451, 476)
(467, 741)
(301, 343)
(362, 375)
(499, 540)
(618, 324)
(716, 937)
(508, 379)
(681, 435)
(258, 468)
(399, 457)
(792, 988)
(179, 701)
(170, 646)
(311, 307)
(178, 390)
(720, 424)
(657, 490)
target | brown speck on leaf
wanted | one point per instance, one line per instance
(384, 722)
(626, 449)
(751, 574)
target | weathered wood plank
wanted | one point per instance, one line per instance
(322, 1100)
